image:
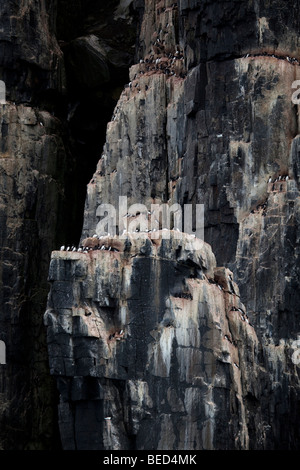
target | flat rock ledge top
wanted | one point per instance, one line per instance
(164, 244)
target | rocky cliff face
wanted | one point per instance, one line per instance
(44, 168)
(32, 181)
(151, 346)
(166, 342)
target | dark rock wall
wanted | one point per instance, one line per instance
(33, 163)
(149, 351)
(218, 79)
(47, 155)
(208, 122)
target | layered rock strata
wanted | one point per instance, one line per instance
(42, 188)
(33, 160)
(151, 346)
(225, 125)
(207, 118)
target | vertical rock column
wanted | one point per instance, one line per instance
(32, 163)
(150, 346)
(207, 118)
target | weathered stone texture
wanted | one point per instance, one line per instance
(158, 348)
(206, 118)
(224, 124)
(30, 199)
(32, 159)
(43, 175)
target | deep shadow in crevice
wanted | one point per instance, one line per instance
(88, 103)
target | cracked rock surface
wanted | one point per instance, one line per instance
(151, 345)
(213, 352)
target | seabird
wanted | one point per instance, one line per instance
(270, 180)
(286, 178)
(62, 248)
(102, 247)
